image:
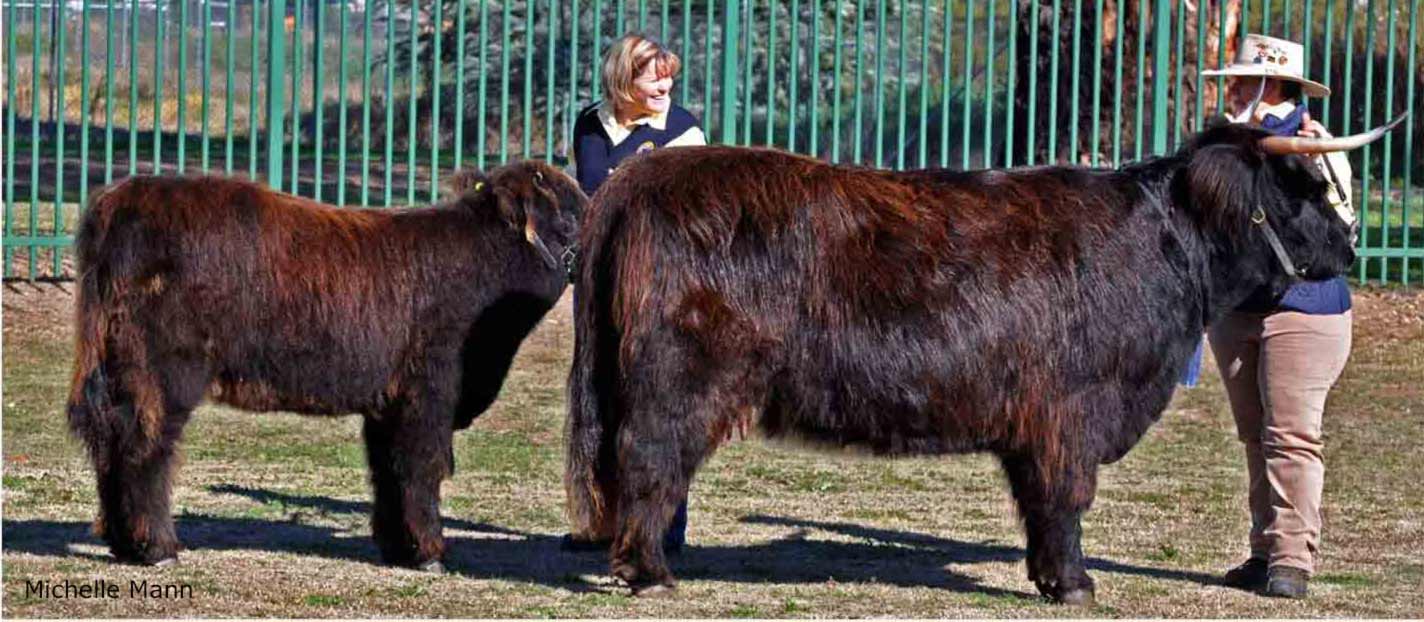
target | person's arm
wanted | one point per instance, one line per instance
(1336, 169)
(590, 160)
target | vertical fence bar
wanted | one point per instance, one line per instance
(1161, 55)
(1221, 54)
(619, 23)
(1177, 75)
(207, 79)
(437, 27)
(989, 55)
(1308, 17)
(837, 44)
(528, 78)
(1385, 169)
(947, 25)
(1033, 85)
(686, 47)
(1117, 92)
(158, 54)
(549, 82)
(253, 107)
(571, 106)
(795, 74)
(413, 83)
(746, 92)
(365, 104)
(1349, 81)
(1098, 82)
(133, 85)
(1053, 80)
(1009, 88)
(318, 96)
(1365, 153)
(504, 82)
(924, 82)
(597, 44)
(10, 130)
(34, 137)
(59, 132)
(84, 107)
(706, 72)
(967, 112)
(1073, 83)
(276, 43)
(1201, 51)
(297, 28)
(390, 62)
(771, 68)
(182, 99)
(460, 83)
(857, 137)
(1141, 80)
(662, 26)
(1409, 133)
(480, 93)
(227, 92)
(880, 71)
(341, 52)
(108, 95)
(731, 21)
(900, 103)
(815, 112)
(1285, 24)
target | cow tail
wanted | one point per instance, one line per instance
(589, 477)
(106, 408)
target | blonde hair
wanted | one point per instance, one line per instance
(627, 58)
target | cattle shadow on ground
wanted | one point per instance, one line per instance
(483, 551)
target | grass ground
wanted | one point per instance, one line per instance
(273, 509)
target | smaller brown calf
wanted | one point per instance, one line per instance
(194, 287)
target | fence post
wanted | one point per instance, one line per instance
(276, 32)
(731, 22)
(1161, 53)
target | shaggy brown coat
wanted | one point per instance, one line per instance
(194, 287)
(1040, 314)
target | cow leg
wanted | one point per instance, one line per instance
(1052, 503)
(134, 459)
(659, 451)
(409, 451)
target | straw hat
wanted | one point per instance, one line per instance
(1260, 55)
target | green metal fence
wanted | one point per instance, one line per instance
(369, 103)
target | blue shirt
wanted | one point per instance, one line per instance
(600, 145)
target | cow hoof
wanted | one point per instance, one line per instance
(1077, 598)
(433, 567)
(655, 590)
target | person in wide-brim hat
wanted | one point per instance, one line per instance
(1269, 57)
(1280, 353)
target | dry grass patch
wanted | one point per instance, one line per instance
(274, 508)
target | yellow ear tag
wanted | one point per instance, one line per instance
(479, 185)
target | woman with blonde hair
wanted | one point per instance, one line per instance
(636, 115)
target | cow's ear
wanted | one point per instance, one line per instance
(464, 182)
(518, 213)
(1221, 180)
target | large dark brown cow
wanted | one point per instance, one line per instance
(265, 301)
(1041, 314)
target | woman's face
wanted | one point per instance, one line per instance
(651, 94)
(1243, 89)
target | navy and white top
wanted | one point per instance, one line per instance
(600, 142)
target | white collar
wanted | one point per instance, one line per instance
(616, 132)
(1279, 111)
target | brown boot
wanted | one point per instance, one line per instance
(1250, 575)
(1286, 582)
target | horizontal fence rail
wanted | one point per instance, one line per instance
(371, 103)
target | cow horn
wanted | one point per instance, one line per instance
(1281, 145)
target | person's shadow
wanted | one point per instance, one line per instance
(481, 550)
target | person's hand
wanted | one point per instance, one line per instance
(1311, 128)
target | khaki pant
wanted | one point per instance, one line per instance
(1277, 370)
